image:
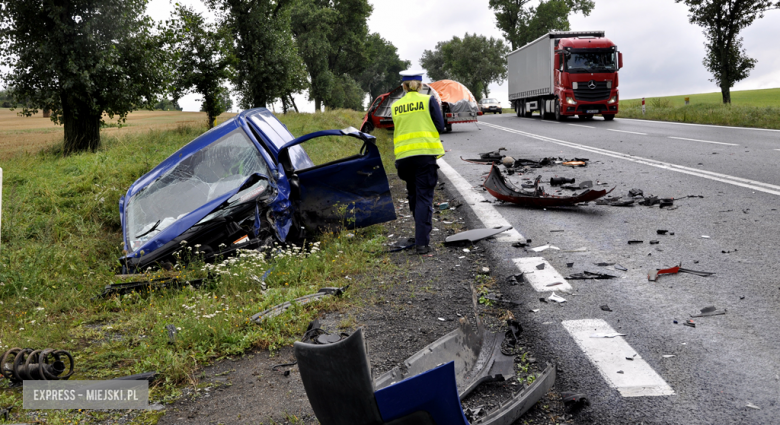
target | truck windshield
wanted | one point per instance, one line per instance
(591, 62)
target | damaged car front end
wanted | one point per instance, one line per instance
(246, 184)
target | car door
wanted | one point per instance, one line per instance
(352, 191)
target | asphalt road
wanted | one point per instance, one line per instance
(723, 364)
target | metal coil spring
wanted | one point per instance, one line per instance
(26, 364)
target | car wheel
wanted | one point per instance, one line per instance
(501, 111)
(609, 117)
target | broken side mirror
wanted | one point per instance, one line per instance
(620, 60)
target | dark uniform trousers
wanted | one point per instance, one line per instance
(421, 175)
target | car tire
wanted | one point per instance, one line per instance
(609, 117)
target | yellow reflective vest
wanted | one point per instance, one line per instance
(415, 134)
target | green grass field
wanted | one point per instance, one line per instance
(61, 239)
(749, 108)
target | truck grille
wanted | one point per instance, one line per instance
(600, 92)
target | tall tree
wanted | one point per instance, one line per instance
(522, 24)
(203, 59)
(81, 59)
(331, 38)
(267, 63)
(474, 61)
(722, 21)
(383, 66)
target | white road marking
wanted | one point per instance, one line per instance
(549, 122)
(580, 125)
(723, 178)
(624, 131)
(485, 212)
(539, 279)
(704, 141)
(777, 149)
(700, 125)
(609, 356)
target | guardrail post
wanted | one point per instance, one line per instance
(643, 106)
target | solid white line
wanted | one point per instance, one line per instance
(539, 279)
(549, 122)
(723, 178)
(699, 125)
(580, 125)
(777, 149)
(704, 141)
(485, 212)
(609, 356)
(631, 132)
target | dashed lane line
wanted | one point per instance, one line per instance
(632, 378)
(624, 131)
(704, 141)
(723, 178)
(698, 125)
(580, 125)
(486, 212)
(546, 279)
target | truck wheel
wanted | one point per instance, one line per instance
(519, 109)
(609, 117)
(558, 116)
(448, 127)
(543, 110)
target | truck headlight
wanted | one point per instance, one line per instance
(613, 99)
(570, 100)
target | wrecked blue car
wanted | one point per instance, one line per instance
(246, 184)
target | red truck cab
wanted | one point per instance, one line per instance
(586, 77)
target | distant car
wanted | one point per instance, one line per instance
(490, 105)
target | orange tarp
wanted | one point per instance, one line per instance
(452, 91)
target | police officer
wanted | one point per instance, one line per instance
(418, 121)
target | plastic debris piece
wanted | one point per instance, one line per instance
(580, 249)
(556, 298)
(441, 319)
(575, 163)
(620, 371)
(540, 266)
(636, 192)
(605, 307)
(555, 231)
(654, 242)
(573, 399)
(752, 406)
(590, 275)
(705, 237)
(621, 268)
(569, 265)
(535, 310)
(689, 323)
(534, 196)
(630, 358)
(632, 242)
(607, 335)
(604, 264)
(668, 356)
(544, 248)
(661, 232)
(555, 284)
(558, 181)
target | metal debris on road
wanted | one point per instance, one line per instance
(590, 275)
(652, 275)
(22, 364)
(558, 181)
(475, 235)
(668, 356)
(544, 248)
(752, 406)
(709, 311)
(281, 308)
(574, 399)
(621, 268)
(605, 307)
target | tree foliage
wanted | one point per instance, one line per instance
(722, 21)
(267, 63)
(382, 67)
(81, 59)
(203, 58)
(331, 39)
(522, 24)
(474, 61)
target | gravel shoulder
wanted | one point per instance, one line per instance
(400, 314)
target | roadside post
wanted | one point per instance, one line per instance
(1, 203)
(643, 106)
(687, 100)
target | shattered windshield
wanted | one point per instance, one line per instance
(591, 62)
(217, 169)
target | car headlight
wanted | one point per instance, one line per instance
(613, 99)
(570, 100)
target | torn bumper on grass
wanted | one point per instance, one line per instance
(244, 185)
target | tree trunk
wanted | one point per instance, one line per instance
(726, 92)
(82, 127)
(292, 101)
(317, 105)
(284, 105)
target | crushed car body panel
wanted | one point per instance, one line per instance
(229, 189)
(496, 184)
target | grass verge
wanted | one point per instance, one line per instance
(61, 238)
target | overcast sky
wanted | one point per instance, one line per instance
(662, 52)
